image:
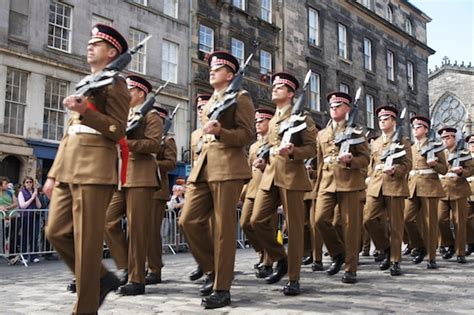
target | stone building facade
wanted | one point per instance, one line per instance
(42, 57)
(451, 94)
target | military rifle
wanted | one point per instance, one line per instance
(345, 139)
(107, 75)
(169, 122)
(460, 155)
(432, 147)
(396, 149)
(141, 112)
(297, 121)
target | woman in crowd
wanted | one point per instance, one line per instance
(8, 203)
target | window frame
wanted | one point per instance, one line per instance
(411, 75)
(211, 36)
(240, 5)
(345, 49)
(20, 103)
(170, 44)
(60, 110)
(346, 89)
(316, 27)
(240, 58)
(370, 112)
(390, 67)
(408, 26)
(61, 27)
(266, 11)
(270, 69)
(140, 53)
(316, 94)
(368, 64)
(389, 13)
(166, 4)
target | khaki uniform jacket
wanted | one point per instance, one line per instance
(251, 188)
(457, 187)
(290, 172)
(226, 157)
(390, 185)
(426, 185)
(196, 136)
(166, 160)
(144, 143)
(470, 180)
(86, 158)
(313, 176)
(333, 177)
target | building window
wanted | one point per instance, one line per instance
(410, 76)
(59, 26)
(265, 62)
(367, 54)
(315, 92)
(313, 26)
(342, 41)
(390, 66)
(344, 88)
(408, 27)
(138, 63)
(15, 101)
(369, 101)
(237, 49)
(97, 19)
(171, 8)
(206, 39)
(366, 3)
(142, 2)
(169, 61)
(54, 113)
(266, 12)
(239, 4)
(389, 14)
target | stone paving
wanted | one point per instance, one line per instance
(40, 289)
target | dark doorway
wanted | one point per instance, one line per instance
(10, 167)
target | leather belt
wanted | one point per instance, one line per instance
(448, 175)
(379, 167)
(424, 171)
(78, 128)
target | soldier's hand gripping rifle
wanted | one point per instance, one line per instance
(432, 147)
(230, 95)
(108, 74)
(460, 155)
(297, 121)
(396, 149)
(169, 123)
(135, 120)
(351, 135)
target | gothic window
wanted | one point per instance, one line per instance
(449, 112)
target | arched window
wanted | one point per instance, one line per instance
(408, 27)
(389, 14)
(448, 111)
(10, 167)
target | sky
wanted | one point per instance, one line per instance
(451, 31)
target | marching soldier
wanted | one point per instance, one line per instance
(425, 190)
(196, 142)
(166, 161)
(340, 181)
(470, 214)
(262, 118)
(135, 197)
(216, 181)
(284, 181)
(457, 191)
(386, 190)
(84, 175)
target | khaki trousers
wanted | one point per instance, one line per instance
(266, 203)
(75, 228)
(219, 200)
(429, 208)
(470, 224)
(316, 238)
(458, 208)
(138, 210)
(350, 211)
(115, 235)
(247, 210)
(375, 221)
(155, 246)
(307, 234)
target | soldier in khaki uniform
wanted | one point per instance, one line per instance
(84, 174)
(284, 182)
(340, 181)
(166, 160)
(386, 190)
(216, 181)
(135, 197)
(425, 190)
(470, 209)
(457, 191)
(262, 119)
(196, 143)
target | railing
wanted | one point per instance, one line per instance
(22, 234)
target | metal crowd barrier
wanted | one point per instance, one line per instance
(22, 234)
